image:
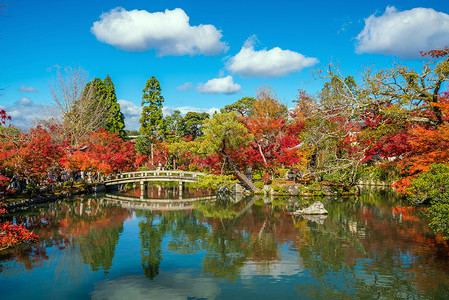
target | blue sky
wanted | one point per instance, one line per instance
(206, 54)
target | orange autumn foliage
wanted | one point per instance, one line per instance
(83, 161)
(429, 145)
(267, 105)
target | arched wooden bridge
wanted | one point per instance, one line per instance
(147, 176)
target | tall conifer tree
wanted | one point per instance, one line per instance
(151, 121)
(116, 120)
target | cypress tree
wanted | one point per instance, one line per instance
(151, 122)
(115, 123)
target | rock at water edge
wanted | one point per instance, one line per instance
(292, 189)
(316, 208)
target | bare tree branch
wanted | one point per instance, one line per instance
(76, 105)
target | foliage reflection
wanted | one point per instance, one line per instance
(368, 246)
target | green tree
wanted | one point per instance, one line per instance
(192, 123)
(143, 145)
(96, 91)
(331, 132)
(151, 121)
(337, 88)
(403, 94)
(243, 107)
(98, 87)
(172, 125)
(433, 185)
(115, 123)
(224, 132)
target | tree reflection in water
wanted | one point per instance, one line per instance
(86, 229)
(367, 247)
(373, 247)
(151, 240)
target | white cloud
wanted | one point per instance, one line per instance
(169, 32)
(133, 112)
(24, 113)
(27, 89)
(404, 33)
(185, 87)
(267, 63)
(223, 85)
(185, 109)
(129, 108)
(25, 101)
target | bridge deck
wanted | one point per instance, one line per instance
(180, 176)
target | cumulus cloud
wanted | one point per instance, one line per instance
(24, 113)
(267, 63)
(404, 33)
(129, 108)
(133, 112)
(185, 87)
(169, 32)
(27, 89)
(223, 85)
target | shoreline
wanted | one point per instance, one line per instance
(91, 188)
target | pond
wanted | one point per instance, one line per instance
(371, 246)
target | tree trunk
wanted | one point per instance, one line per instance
(239, 174)
(151, 148)
(242, 212)
(261, 153)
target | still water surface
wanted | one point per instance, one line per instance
(368, 247)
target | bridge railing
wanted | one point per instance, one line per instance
(159, 173)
